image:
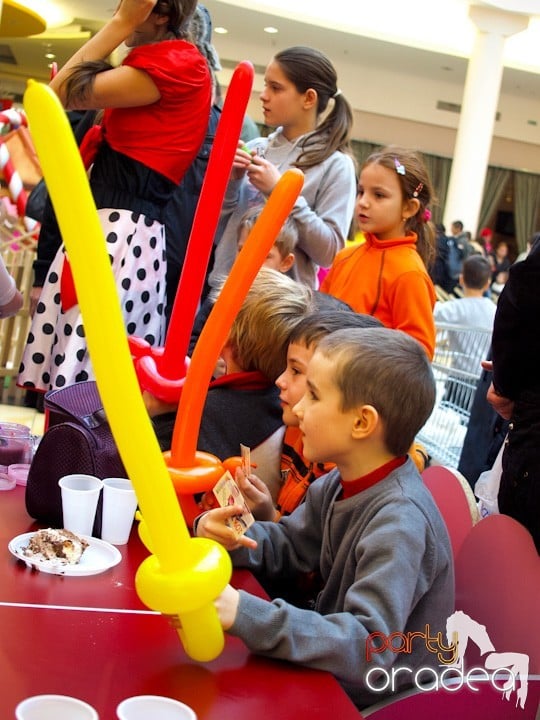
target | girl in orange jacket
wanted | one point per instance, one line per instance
(387, 276)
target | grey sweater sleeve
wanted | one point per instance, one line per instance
(323, 226)
(286, 548)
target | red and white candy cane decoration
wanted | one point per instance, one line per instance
(12, 119)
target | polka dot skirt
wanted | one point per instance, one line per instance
(56, 354)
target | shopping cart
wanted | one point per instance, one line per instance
(456, 366)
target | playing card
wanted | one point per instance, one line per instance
(227, 492)
(245, 452)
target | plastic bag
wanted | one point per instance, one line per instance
(487, 487)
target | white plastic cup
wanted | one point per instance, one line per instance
(80, 495)
(119, 505)
(154, 707)
(54, 707)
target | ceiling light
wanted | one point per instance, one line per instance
(50, 56)
(52, 12)
(221, 30)
(271, 30)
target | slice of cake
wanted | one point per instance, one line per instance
(62, 546)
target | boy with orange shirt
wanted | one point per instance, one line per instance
(297, 472)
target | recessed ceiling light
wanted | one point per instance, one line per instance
(50, 56)
(221, 30)
(271, 30)
(51, 11)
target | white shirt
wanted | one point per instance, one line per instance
(472, 312)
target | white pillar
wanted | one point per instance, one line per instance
(478, 110)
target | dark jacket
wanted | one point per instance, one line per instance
(516, 349)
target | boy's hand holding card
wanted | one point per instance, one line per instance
(227, 493)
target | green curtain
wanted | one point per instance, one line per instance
(526, 206)
(439, 172)
(494, 187)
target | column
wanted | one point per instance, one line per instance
(478, 110)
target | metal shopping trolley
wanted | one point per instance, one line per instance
(456, 367)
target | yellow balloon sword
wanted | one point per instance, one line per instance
(183, 575)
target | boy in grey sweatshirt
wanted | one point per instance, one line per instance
(370, 528)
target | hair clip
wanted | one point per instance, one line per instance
(400, 169)
(418, 190)
(427, 215)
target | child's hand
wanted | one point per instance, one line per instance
(227, 606)
(241, 161)
(256, 494)
(154, 406)
(213, 525)
(135, 12)
(263, 175)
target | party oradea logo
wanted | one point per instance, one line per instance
(506, 671)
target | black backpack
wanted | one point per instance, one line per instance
(78, 440)
(454, 259)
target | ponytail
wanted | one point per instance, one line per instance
(308, 68)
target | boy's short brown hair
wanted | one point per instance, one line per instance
(476, 272)
(389, 370)
(287, 237)
(260, 333)
(320, 323)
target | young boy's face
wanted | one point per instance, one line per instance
(292, 381)
(325, 426)
(273, 260)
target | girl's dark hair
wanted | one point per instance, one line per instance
(178, 12)
(415, 183)
(80, 82)
(308, 68)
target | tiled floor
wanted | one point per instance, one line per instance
(23, 415)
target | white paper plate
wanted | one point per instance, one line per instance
(98, 557)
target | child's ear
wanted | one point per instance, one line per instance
(286, 263)
(310, 98)
(410, 208)
(160, 19)
(365, 422)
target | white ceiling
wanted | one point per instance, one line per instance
(355, 39)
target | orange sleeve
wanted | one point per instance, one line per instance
(412, 309)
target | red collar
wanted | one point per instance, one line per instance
(366, 481)
(254, 380)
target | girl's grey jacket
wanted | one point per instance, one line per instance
(323, 211)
